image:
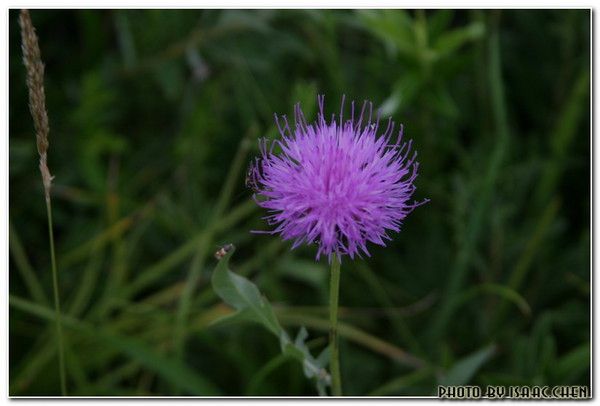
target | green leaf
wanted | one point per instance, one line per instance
(243, 295)
(313, 368)
(239, 316)
(463, 371)
(251, 305)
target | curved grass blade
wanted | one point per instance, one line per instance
(504, 292)
(178, 374)
(463, 371)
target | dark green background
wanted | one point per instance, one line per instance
(488, 283)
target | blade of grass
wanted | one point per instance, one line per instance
(116, 272)
(125, 38)
(195, 39)
(384, 299)
(474, 226)
(465, 369)
(77, 303)
(171, 293)
(43, 352)
(523, 265)
(31, 280)
(87, 284)
(353, 334)
(77, 373)
(180, 331)
(400, 383)
(505, 292)
(113, 377)
(291, 317)
(31, 365)
(81, 252)
(564, 132)
(264, 372)
(172, 371)
(179, 255)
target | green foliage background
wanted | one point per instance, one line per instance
(154, 116)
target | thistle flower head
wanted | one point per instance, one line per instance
(337, 184)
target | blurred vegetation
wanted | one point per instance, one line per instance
(154, 115)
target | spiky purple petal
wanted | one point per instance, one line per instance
(336, 184)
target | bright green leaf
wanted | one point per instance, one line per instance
(245, 297)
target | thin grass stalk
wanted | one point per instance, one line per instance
(185, 302)
(293, 318)
(32, 283)
(334, 294)
(179, 255)
(486, 191)
(37, 105)
(383, 297)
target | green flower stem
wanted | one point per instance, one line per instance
(334, 293)
(59, 334)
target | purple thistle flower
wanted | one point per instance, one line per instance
(335, 184)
